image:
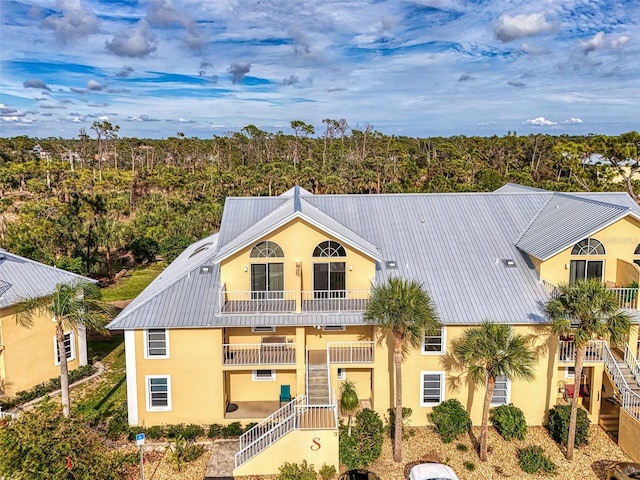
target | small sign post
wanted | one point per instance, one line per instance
(140, 443)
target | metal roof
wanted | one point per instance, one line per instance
(294, 208)
(22, 278)
(454, 244)
(564, 221)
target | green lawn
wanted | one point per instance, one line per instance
(132, 284)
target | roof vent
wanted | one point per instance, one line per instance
(509, 263)
(391, 264)
(206, 269)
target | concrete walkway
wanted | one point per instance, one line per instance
(221, 461)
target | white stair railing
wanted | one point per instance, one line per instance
(265, 433)
(295, 415)
(632, 362)
(630, 399)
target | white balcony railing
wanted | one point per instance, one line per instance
(567, 351)
(258, 354)
(257, 301)
(335, 300)
(350, 352)
(627, 297)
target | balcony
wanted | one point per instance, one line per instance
(335, 300)
(258, 354)
(567, 351)
(290, 301)
(350, 352)
(627, 297)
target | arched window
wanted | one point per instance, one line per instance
(588, 246)
(637, 250)
(329, 248)
(267, 249)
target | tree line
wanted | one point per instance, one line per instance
(83, 203)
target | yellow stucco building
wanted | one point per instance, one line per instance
(263, 320)
(29, 356)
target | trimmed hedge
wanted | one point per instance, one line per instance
(450, 420)
(509, 421)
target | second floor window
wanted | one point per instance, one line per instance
(588, 268)
(329, 278)
(157, 343)
(69, 347)
(267, 249)
(267, 281)
(434, 344)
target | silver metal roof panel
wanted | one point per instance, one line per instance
(22, 278)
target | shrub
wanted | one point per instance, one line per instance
(144, 249)
(232, 430)
(509, 421)
(293, 471)
(469, 466)
(249, 426)
(215, 430)
(188, 432)
(558, 426)
(365, 443)
(461, 447)
(450, 420)
(183, 451)
(533, 460)
(327, 472)
(390, 422)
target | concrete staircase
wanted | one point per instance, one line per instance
(318, 381)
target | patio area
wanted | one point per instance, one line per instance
(250, 410)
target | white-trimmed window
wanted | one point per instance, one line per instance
(263, 329)
(156, 343)
(501, 391)
(435, 344)
(69, 347)
(569, 372)
(158, 393)
(264, 375)
(431, 388)
(342, 373)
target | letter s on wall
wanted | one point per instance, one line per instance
(315, 444)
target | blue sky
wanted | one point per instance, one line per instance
(417, 68)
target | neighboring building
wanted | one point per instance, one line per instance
(29, 356)
(272, 306)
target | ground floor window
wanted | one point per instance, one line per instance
(69, 347)
(501, 391)
(264, 375)
(158, 393)
(342, 373)
(431, 388)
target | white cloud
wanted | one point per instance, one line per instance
(540, 122)
(509, 28)
(594, 43)
(573, 121)
(620, 41)
(74, 22)
(94, 85)
(136, 44)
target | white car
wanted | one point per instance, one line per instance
(432, 471)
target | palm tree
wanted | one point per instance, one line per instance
(349, 402)
(71, 305)
(585, 309)
(487, 352)
(404, 310)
